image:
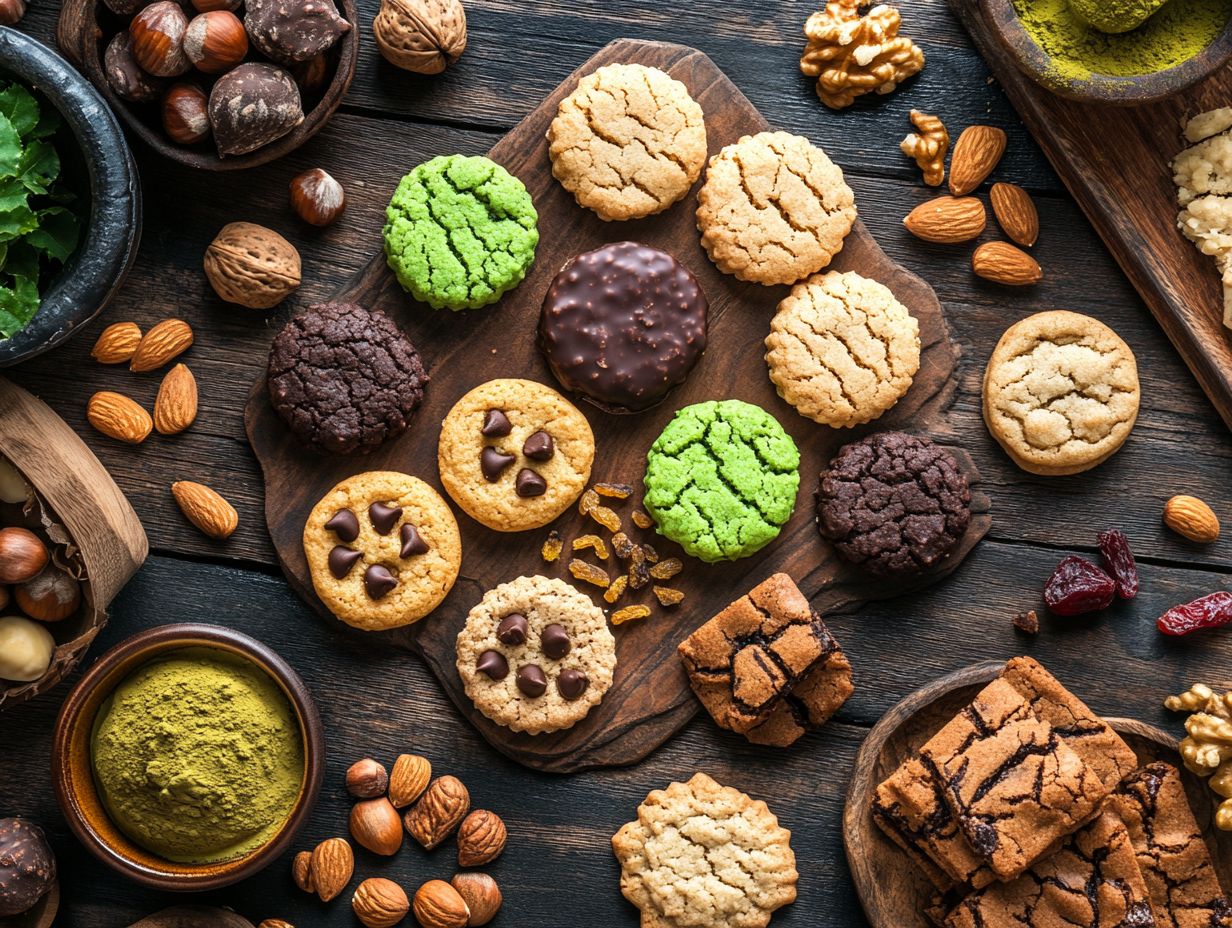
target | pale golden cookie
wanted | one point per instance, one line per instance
(842, 349)
(774, 209)
(628, 142)
(383, 549)
(1060, 393)
(705, 856)
(515, 454)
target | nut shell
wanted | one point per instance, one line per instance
(125, 76)
(410, 777)
(481, 838)
(215, 41)
(481, 895)
(332, 865)
(251, 265)
(27, 866)
(51, 596)
(438, 813)
(424, 36)
(380, 903)
(157, 32)
(439, 905)
(376, 825)
(252, 105)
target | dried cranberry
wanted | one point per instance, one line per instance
(1078, 586)
(1208, 612)
(1119, 562)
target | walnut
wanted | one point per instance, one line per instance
(1207, 747)
(425, 36)
(852, 54)
(928, 145)
(251, 265)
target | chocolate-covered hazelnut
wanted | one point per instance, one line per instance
(125, 76)
(27, 866)
(251, 106)
(290, 31)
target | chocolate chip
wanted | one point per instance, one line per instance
(555, 641)
(412, 541)
(531, 680)
(493, 663)
(378, 581)
(572, 683)
(529, 484)
(493, 463)
(383, 517)
(539, 447)
(341, 560)
(495, 424)
(512, 629)
(344, 524)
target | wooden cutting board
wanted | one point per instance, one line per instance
(1116, 162)
(650, 698)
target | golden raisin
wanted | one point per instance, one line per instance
(614, 490)
(605, 517)
(589, 500)
(583, 542)
(552, 547)
(667, 596)
(639, 573)
(622, 545)
(641, 520)
(589, 572)
(665, 570)
(628, 613)
(617, 589)
(652, 556)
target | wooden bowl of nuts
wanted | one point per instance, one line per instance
(219, 85)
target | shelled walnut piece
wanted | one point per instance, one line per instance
(1207, 746)
(851, 55)
(928, 146)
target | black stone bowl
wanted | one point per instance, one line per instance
(97, 162)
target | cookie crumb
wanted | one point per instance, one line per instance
(1027, 622)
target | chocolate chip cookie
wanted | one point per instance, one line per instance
(893, 504)
(344, 379)
(383, 549)
(622, 325)
(536, 655)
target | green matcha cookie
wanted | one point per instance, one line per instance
(460, 232)
(721, 479)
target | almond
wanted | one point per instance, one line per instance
(947, 220)
(208, 511)
(169, 338)
(176, 405)
(380, 903)
(409, 778)
(333, 863)
(117, 343)
(976, 153)
(1192, 518)
(1016, 212)
(118, 417)
(1002, 263)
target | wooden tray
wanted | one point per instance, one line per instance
(892, 890)
(1116, 162)
(650, 699)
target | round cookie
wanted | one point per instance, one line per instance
(893, 504)
(721, 479)
(842, 349)
(383, 550)
(536, 655)
(515, 454)
(1061, 393)
(344, 379)
(628, 142)
(460, 232)
(774, 209)
(622, 325)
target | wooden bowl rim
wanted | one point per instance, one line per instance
(115, 665)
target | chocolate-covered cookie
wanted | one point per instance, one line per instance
(622, 325)
(345, 379)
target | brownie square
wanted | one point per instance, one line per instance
(767, 666)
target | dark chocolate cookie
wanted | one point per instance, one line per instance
(893, 504)
(622, 325)
(345, 379)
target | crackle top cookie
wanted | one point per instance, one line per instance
(774, 209)
(842, 349)
(628, 142)
(1061, 393)
(383, 549)
(536, 655)
(705, 856)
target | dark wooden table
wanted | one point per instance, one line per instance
(559, 870)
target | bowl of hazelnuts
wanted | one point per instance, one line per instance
(216, 84)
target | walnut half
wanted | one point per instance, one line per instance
(852, 54)
(424, 36)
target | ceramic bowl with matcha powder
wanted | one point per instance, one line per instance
(188, 756)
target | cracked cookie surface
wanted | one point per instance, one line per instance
(774, 209)
(628, 142)
(721, 479)
(460, 232)
(842, 349)
(1061, 393)
(703, 855)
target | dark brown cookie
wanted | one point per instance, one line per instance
(893, 504)
(622, 325)
(345, 379)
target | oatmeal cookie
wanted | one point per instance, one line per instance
(842, 349)
(628, 142)
(774, 209)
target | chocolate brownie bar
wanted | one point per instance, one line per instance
(1175, 861)
(767, 666)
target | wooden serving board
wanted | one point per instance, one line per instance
(650, 699)
(1116, 162)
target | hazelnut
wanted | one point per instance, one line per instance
(251, 106)
(185, 119)
(26, 649)
(481, 838)
(215, 41)
(22, 555)
(5, 596)
(251, 265)
(11, 12)
(366, 779)
(481, 895)
(317, 198)
(380, 903)
(125, 76)
(376, 825)
(52, 596)
(301, 871)
(158, 39)
(424, 36)
(439, 905)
